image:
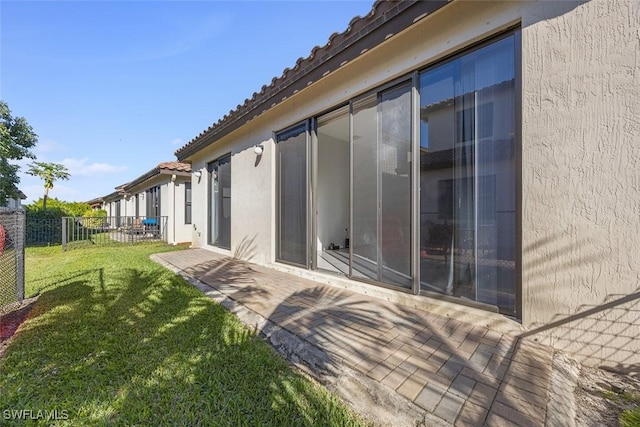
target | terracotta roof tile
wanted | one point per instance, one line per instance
(164, 167)
(175, 166)
(340, 49)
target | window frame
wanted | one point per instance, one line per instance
(215, 164)
(515, 32)
(188, 206)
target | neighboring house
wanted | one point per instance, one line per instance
(163, 191)
(476, 153)
(16, 203)
(96, 204)
(113, 205)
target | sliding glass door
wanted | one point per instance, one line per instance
(447, 224)
(153, 202)
(292, 193)
(220, 202)
(381, 186)
(468, 177)
(331, 174)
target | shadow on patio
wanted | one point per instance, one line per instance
(464, 374)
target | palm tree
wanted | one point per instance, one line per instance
(49, 172)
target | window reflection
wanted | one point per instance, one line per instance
(467, 176)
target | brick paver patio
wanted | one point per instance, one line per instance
(462, 373)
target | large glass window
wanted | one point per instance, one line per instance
(381, 142)
(187, 203)
(153, 202)
(291, 151)
(118, 213)
(220, 202)
(467, 176)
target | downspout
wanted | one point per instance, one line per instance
(173, 217)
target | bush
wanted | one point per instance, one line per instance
(94, 219)
(67, 208)
(44, 227)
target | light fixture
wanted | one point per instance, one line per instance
(258, 150)
(198, 174)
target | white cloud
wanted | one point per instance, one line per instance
(82, 167)
(46, 145)
(177, 141)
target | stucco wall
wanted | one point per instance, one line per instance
(172, 205)
(179, 231)
(14, 203)
(252, 192)
(580, 155)
(581, 186)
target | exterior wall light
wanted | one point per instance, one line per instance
(198, 174)
(258, 150)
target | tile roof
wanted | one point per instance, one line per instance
(96, 201)
(179, 168)
(175, 166)
(386, 18)
(162, 168)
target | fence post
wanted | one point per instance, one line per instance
(64, 233)
(22, 236)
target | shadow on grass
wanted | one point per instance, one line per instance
(137, 347)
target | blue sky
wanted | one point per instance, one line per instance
(114, 88)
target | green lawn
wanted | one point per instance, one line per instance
(115, 339)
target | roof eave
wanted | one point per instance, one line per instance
(363, 34)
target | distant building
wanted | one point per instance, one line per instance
(164, 191)
(16, 203)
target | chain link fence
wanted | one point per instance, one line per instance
(12, 240)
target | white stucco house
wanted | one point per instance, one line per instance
(478, 158)
(16, 203)
(158, 199)
(96, 204)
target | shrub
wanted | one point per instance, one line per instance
(68, 208)
(94, 219)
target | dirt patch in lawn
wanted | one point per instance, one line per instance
(11, 321)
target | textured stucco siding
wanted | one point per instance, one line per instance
(252, 193)
(580, 156)
(180, 232)
(581, 180)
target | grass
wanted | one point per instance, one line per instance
(631, 417)
(115, 339)
(628, 417)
